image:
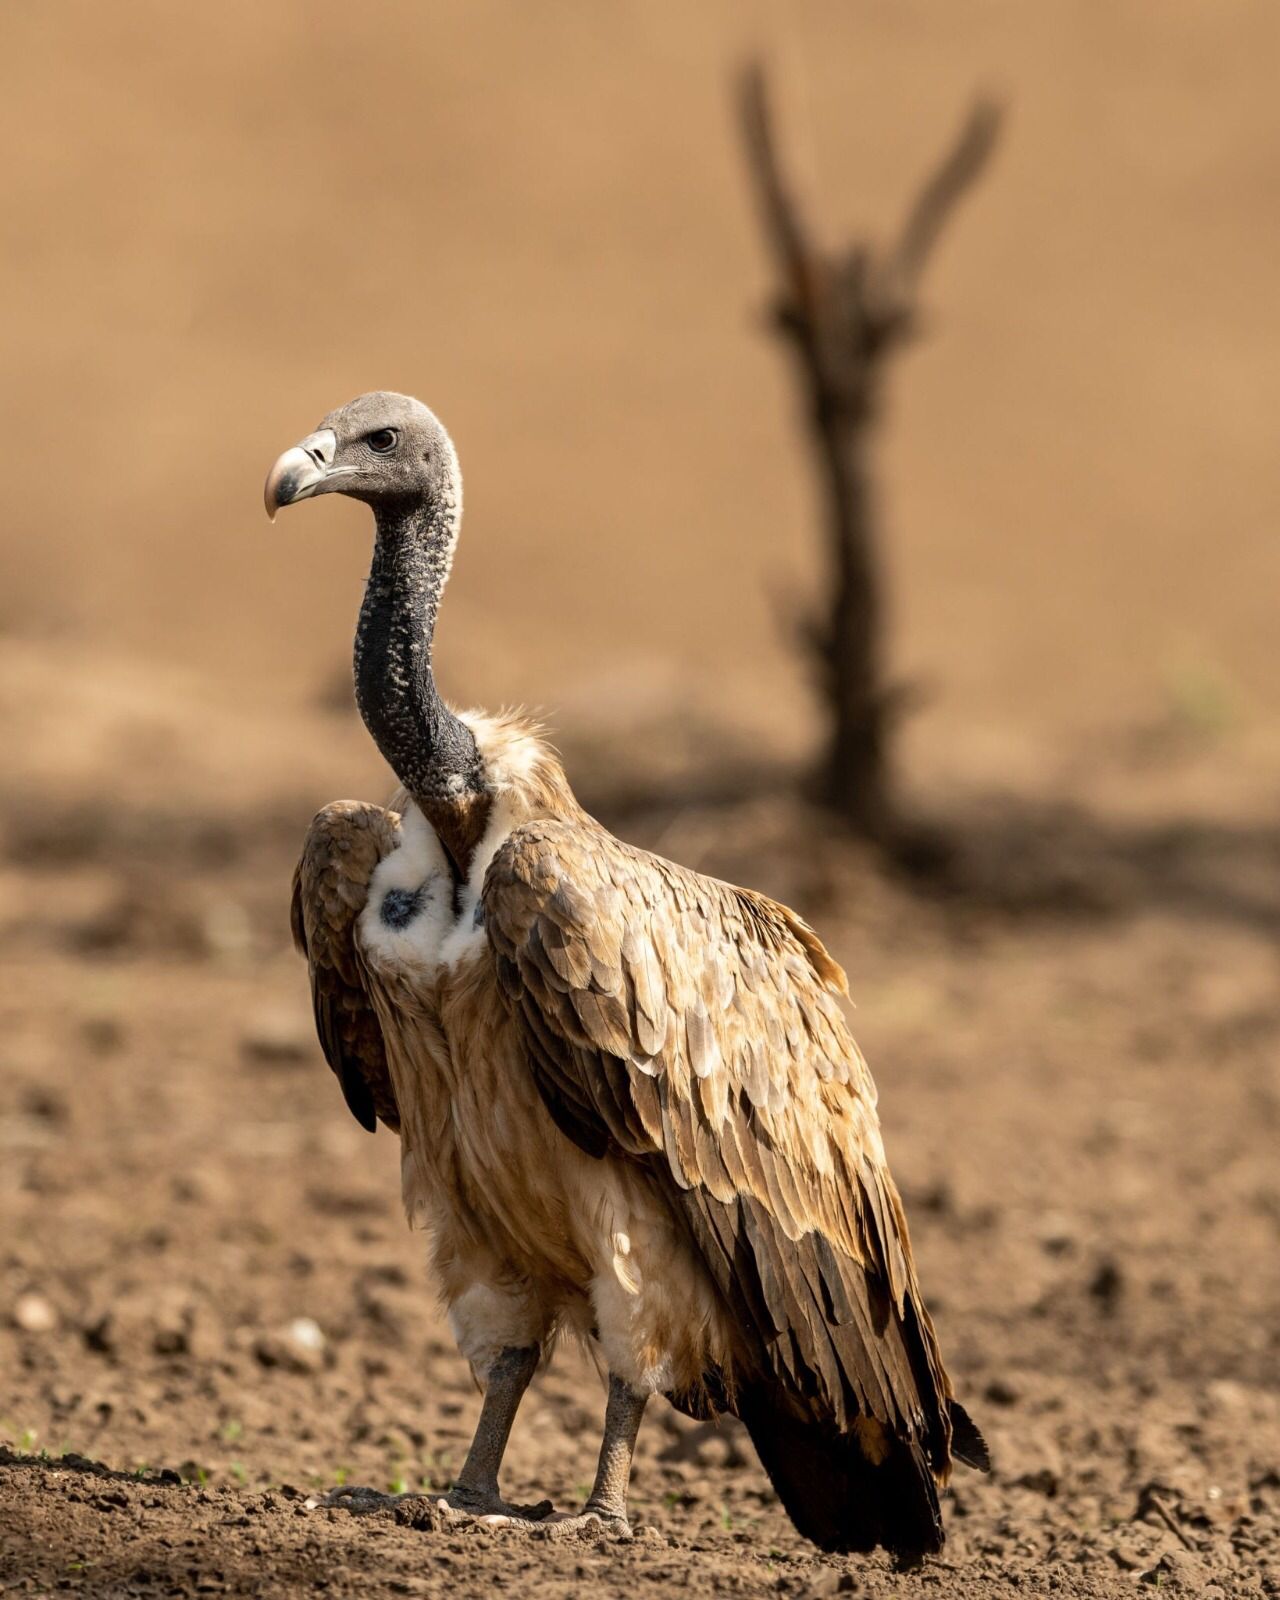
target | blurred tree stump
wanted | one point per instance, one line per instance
(843, 312)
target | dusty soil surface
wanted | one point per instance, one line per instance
(215, 227)
(211, 1311)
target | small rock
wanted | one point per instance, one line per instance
(1177, 1569)
(299, 1347)
(306, 1333)
(34, 1314)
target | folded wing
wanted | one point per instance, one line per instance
(695, 1027)
(344, 844)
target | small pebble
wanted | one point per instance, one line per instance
(306, 1333)
(34, 1314)
(299, 1347)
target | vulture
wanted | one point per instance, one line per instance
(629, 1105)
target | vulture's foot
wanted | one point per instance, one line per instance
(360, 1501)
(477, 1505)
(606, 1507)
(459, 1505)
(612, 1523)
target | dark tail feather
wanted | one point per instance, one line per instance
(967, 1443)
(833, 1493)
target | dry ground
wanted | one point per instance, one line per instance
(205, 1276)
(215, 224)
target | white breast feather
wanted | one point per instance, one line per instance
(436, 936)
(419, 863)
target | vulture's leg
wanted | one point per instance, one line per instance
(607, 1501)
(476, 1488)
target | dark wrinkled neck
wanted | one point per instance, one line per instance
(430, 750)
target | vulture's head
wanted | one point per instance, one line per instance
(383, 448)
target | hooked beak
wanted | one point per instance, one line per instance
(301, 472)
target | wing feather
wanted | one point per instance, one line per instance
(330, 886)
(691, 1025)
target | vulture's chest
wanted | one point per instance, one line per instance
(416, 920)
(476, 1135)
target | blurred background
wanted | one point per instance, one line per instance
(217, 225)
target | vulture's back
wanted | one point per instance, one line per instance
(679, 1022)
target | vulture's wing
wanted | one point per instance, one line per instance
(694, 1026)
(344, 844)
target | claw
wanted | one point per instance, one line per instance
(358, 1500)
(609, 1522)
(459, 1505)
(493, 1509)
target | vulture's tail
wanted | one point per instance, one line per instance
(833, 1492)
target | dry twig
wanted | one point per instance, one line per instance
(843, 312)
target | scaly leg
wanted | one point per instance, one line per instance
(475, 1491)
(607, 1501)
(476, 1488)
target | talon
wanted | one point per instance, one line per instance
(359, 1500)
(611, 1522)
(492, 1508)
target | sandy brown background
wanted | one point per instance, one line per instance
(219, 222)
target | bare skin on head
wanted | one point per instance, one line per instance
(630, 1107)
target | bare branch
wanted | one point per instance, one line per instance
(844, 312)
(958, 172)
(779, 209)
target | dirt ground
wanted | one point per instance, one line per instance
(211, 1310)
(210, 1299)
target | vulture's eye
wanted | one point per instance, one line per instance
(383, 442)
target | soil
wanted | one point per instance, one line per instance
(211, 1310)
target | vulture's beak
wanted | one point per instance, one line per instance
(300, 472)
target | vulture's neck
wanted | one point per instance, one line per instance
(430, 750)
